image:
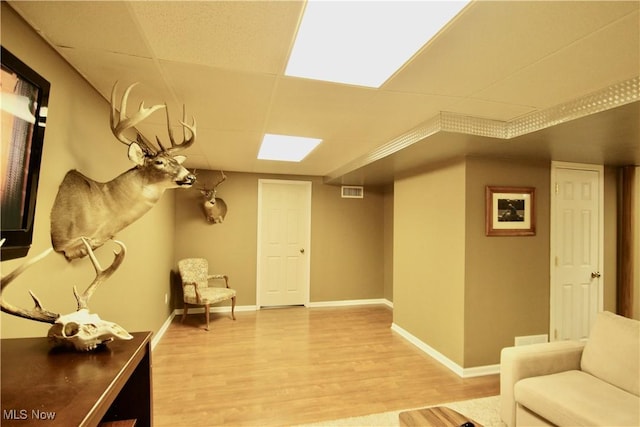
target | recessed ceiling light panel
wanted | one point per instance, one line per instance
(364, 42)
(286, 148)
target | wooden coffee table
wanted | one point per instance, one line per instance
(438, 416)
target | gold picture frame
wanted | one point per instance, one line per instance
(510, 211)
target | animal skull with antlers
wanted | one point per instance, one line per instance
(81, 329)
(214, 208)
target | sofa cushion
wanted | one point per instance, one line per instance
(612, 352)
(573, 398)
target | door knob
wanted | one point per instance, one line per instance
(595, 275)
(302, 250)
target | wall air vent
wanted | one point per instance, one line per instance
(352, 192)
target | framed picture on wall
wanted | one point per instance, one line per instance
(510, 211)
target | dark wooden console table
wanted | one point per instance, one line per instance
(52, 387)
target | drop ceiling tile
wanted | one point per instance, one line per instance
(604, 58)
(251, 36)
(393, 113)
(492, 40)
(318, 109)
(475, 107)
(363, 117)
(197, 162)
(104, 25)
(103, 69)
(229, 150)
(336, 152)
(219, 98)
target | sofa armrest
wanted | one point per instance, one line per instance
(533, 360)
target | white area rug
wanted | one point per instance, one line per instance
(485, 411)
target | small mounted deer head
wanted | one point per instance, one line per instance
(81, 329)
(214, 208)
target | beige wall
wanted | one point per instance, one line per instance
(428, 257)
(465, 294)
(78, 137)
(507, 278)
(231, 246)
(347, 239)
(347, 261)
(388, 243)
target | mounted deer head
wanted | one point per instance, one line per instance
(214, 208)
(80, 330)
(96, 211)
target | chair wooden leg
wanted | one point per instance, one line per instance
(206, 315)
(185, 309)
(233, 308)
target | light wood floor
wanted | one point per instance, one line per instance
(296, 365)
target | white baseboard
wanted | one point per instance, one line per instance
(480, 371)
(227, 309)
(457, 369)
(158, 336)
(222, 309)
(345, 303)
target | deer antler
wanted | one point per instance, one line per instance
(40, 314)
(215, 186)
(120, 122)
(186, 143)
(224, 177)
(101, 275)
(37, 313)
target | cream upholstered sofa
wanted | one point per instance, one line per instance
(568, 383)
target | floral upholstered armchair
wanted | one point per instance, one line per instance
(197, 290)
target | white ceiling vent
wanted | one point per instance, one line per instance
(352, 192)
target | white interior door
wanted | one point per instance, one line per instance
(284, 226)
(576, 249)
